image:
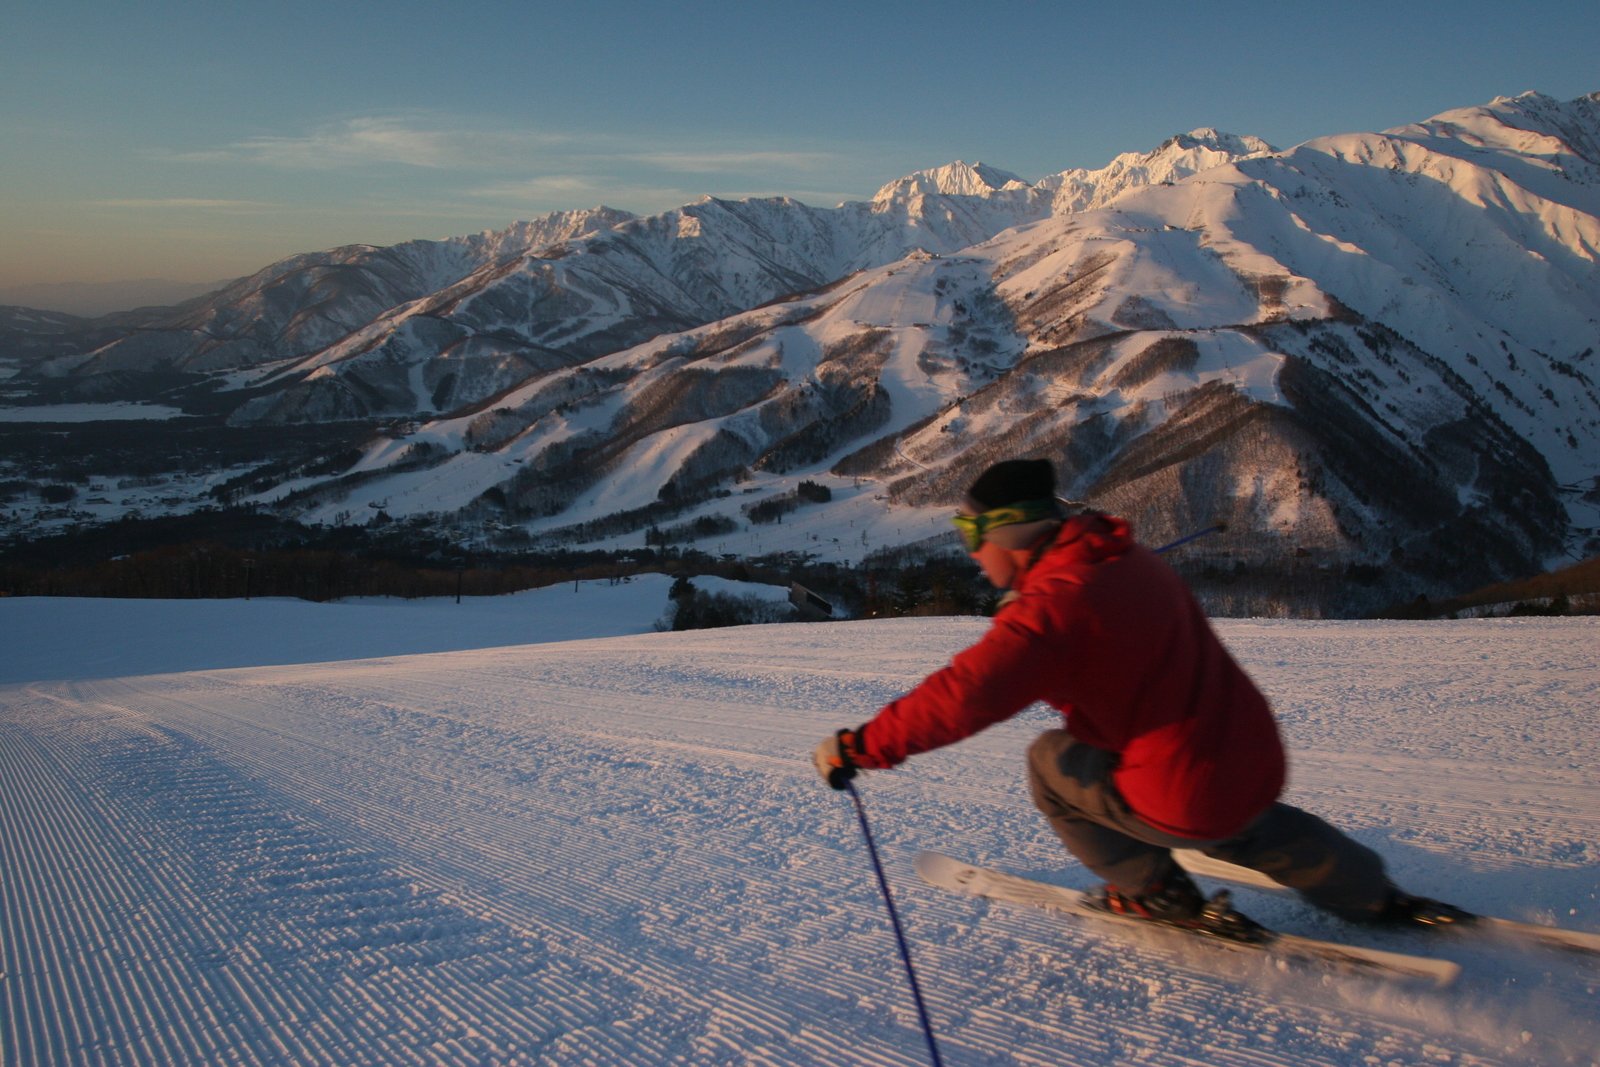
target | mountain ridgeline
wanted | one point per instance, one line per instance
(1372, 355)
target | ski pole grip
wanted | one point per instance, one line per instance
(840, 776)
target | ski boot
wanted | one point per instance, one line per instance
(1177, 901)
(1403, 909)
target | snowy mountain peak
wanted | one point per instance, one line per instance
(1522, 109)
(1208, 137)
(1176, 158)
(530, 235)
(954, 179)
(1530, 129)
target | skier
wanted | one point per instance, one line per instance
(1167, 742)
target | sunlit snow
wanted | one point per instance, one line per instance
(465, 848)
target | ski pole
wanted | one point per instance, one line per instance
(1169, 546)
(894, 920)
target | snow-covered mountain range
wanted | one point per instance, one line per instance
(1372, 352)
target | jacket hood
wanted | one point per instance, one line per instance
(1085, 538)
(1093, 537)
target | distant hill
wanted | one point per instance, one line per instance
(93, 299)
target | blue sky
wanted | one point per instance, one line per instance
(202, 141)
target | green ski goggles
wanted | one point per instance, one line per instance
(973, 528)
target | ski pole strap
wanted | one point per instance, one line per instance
(894, 920)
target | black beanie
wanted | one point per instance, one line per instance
(1013, 481)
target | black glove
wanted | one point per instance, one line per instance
(836, 757)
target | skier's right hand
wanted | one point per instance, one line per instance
(836, 757)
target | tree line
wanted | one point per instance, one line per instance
(245, 554)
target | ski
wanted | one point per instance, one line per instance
(952, 874)
(1198, 863)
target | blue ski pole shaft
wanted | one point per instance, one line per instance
(894, 920)
(1169, 546)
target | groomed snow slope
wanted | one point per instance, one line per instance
(614, 851)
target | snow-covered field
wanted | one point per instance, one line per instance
(88, 412)
(470, 849)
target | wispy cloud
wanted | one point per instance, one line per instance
(414, 141)
(582, 190)
(691, 162)
(190, 203)
(444, 142)
(492, 165)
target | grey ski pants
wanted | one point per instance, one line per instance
(1072, 786)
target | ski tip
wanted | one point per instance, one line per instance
(935, 866)
(1556, 937)
(946, 872)
(1442, 974)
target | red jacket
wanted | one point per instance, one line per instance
(1108, 634)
